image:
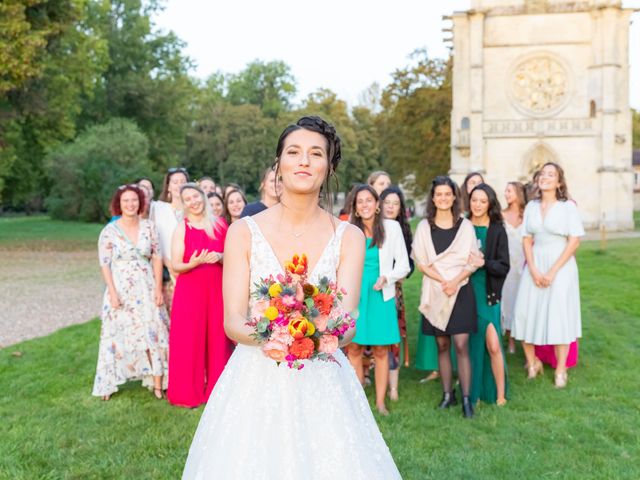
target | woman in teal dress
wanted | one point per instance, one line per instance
(488, 367)
(386, 261)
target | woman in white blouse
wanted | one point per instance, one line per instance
(166, 214)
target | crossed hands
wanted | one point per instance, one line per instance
(476, 260)
(205, 256)
(540, 280)
(449, 287)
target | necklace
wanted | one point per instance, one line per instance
(305, 229)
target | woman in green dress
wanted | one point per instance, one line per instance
(386, 262)
(489, 370)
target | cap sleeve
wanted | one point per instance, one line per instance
(526, 220)
(574, 222)
(105, 246)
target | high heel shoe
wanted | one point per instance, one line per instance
(448, 399)
(467, 407)
(561, 379)
(534, 370)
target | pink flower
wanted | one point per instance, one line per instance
(289, 301)
(275, 350)
(257, 311)
(281, 335)
(328, 344)
(321, 322)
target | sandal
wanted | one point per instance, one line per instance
(158, 393)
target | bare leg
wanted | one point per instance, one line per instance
(354, 351)
(461, 343)
(497, 362)
(510, 342)
(157, 380)
(562, 352)
(534, 366)
(444, 362)
(381, 355)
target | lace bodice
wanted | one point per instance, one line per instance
(264, 261)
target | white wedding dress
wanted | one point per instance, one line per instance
(269, 422)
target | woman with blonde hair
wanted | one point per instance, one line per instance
(379, 181)
(199, 346)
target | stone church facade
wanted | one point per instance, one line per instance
(537, 81)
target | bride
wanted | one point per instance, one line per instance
(265, 421)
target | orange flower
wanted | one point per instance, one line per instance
(302, 348)
(323, 302)
(279, 304)
(297, 265)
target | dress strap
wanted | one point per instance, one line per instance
(337, 241)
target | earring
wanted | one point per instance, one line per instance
(377, 210)
(357, 214)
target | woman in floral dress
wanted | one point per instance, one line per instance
(133, 338)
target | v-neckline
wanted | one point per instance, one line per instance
(544, 215)
(281, 264)
(126, 237)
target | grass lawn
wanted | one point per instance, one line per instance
(51, 427)
(42, 233)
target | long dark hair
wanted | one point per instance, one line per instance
(463, 190)
(402, 216)
(494, 211)
(334, 152)
(378, 227)
(431, 207)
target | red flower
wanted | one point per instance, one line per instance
(280, 305)
(302, 348)
(323, 302)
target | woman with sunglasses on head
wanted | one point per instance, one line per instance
(386, 262)
(394, 208)
(167, 213)
(133, 337)
(199, 347)
(489, 379)
(446, 252)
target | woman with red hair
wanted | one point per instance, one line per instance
(133, 338)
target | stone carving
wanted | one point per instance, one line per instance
(539, 85)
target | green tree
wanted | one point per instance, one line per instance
(40, 111)
(232, 143)
(269, 85)
(147, 77)
(414, 125)
(84, 174)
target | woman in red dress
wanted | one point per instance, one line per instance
(198, 346)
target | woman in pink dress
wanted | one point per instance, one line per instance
(198, 346)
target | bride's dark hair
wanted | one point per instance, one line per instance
(334, 151)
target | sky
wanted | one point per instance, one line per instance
(343, 45)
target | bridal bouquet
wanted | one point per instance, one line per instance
(295, 320)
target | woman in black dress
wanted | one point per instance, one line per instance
(445, 251)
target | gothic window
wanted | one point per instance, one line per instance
(465, 123)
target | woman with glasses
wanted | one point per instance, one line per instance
(133, 337)
(167, 213)
(393, 208)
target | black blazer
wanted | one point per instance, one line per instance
(496, 261)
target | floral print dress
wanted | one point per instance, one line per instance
(134, 337)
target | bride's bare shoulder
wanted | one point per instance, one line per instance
(353, 236)
(239, 232)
